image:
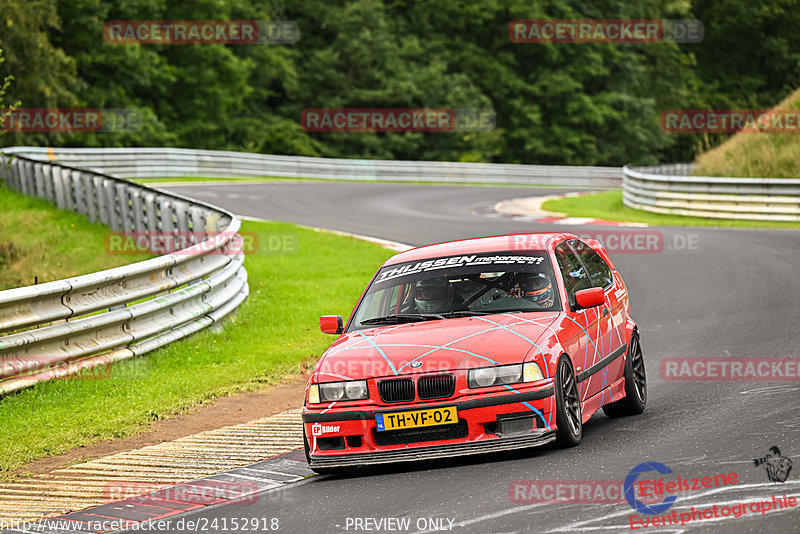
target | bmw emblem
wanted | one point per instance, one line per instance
(415, 364)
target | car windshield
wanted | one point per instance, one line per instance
(458, 286)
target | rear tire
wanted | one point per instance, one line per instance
(635, 398)
(568, 405)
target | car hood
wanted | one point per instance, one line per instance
(459, 343)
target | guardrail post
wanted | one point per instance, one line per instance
(69, 189)
(17, 170)
(126, 223)
(112, 204)
(89, 186)
(152, 222)
(38, 180)
(78, 193)
(22, 176)
(30, 173)
(198, 221)
(182, 216)
(138, 212)
(58, 188)
(165, 208)
(47, 179)
(99, 196)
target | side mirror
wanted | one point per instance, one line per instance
(331, 324)
(589, 298)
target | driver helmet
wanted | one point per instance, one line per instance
(538, 288)
(433, 296)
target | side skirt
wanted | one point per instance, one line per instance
(612, 393)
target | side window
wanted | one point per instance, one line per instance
(599, 271)
(575, 277)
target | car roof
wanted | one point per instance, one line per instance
(498, 243)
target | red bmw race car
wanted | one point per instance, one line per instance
(475, 346)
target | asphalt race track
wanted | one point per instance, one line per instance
(709, 293)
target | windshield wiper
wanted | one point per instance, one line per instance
(465, 313)
(403, 318)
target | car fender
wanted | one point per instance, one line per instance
(547, 358)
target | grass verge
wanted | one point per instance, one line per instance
(37, 240)
(270, 336)
(608, 205)
(756, 154)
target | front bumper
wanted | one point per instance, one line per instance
(499, 422)
(534, 438)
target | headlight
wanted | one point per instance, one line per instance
(338, 391)
(483, 377)
(356, 390)
(331, 392)
(505, 374)
(495, 376)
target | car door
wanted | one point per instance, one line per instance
(584, 347)
(611, 323)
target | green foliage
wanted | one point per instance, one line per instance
(584, 103)
(5, 108)
(756, 155)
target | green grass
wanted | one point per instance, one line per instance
(39, 240)
(756, 154)
(268, 179)
(608, 205)
(273, 333)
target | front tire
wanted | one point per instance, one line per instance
(635, 398)
(568, 405)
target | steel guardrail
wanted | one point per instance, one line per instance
(64, 327)
(672, 189)
(180, 162)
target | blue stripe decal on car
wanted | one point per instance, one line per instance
(547, 424)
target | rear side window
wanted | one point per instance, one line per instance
(575, 276)
(599, 271)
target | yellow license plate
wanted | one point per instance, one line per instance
(416, 418)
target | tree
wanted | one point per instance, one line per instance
(5, 109)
